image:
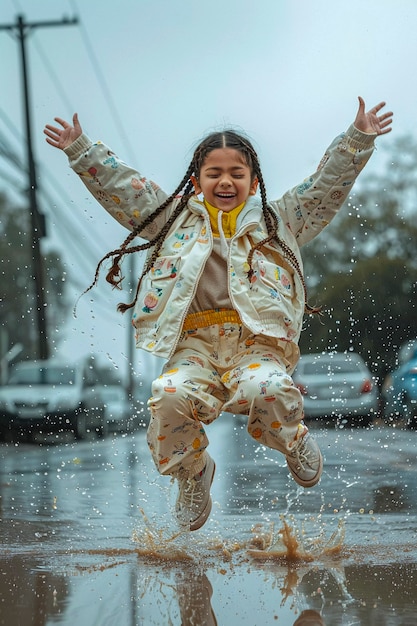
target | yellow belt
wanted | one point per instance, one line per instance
(204, 319)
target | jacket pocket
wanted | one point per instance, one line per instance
(158, 284)
(274, 278)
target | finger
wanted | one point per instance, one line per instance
(63, 123)
(76, 122)
(385, 116)
(52, 136)
(52, 142)
(53, 129)
(361, 105)
(377, 107)
(385, 124)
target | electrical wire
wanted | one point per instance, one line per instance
(67, 226)
(103, 84)
(13, 182)
(64, 222)
(74, 253)
(8, 153)
(66, 100)
(53, 75)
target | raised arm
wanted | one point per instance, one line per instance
(126, 195)
(370, 122)
(310, 206)
(63, 137)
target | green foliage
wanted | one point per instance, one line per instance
(363, 267)
(17, 287)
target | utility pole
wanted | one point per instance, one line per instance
(37, 221)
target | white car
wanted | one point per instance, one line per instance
(51, 396)
(337, 384)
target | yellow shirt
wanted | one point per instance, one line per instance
(229, 219)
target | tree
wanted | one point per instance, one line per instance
(17, 287)
(363, 268)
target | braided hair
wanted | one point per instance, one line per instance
(185, 190)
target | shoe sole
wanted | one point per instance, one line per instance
(308, 483)
(201, 520)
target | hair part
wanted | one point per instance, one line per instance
(185, 189)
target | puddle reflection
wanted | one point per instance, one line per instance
(87, 536)
(121, 591)
(200, 582)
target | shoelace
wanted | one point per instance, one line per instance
(190, 493)
(300, 454)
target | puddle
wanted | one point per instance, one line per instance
(87, 537)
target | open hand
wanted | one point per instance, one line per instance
(371, 122)
(63, 137)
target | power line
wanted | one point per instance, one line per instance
(7, 152)
(104, 86)
(57, 84)
(64, 221)
(54, 76)
(109, 99)
(14, 182)
(9, 124)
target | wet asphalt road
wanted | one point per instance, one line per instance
(87, 534)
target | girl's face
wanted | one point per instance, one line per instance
(225, 179)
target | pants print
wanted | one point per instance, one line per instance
(215, 369)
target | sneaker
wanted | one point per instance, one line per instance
(193, 504)
(309, 618)
(305, 461)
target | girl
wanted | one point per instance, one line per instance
(222, 293)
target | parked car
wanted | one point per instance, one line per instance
(50, 396)
(337, 384)
(407, 351)
(118, 410)
(399, 389)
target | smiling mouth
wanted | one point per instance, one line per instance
(226, 196)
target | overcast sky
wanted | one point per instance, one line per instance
(152, 77)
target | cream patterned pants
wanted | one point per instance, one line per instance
(220, 368)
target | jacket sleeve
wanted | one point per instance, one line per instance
(122, 191)
(310, 206)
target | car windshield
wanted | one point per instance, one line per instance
(52, 375)
(331, 367)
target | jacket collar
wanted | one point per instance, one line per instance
(252, 208)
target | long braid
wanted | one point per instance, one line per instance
(271, 221)
(157, 242)
(114, 275)
(185, 190)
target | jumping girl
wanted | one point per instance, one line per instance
(222, 293)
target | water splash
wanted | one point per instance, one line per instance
(159, 544)
(293, 542)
